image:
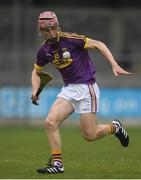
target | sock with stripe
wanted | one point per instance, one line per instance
(112, 128)
(56, 157)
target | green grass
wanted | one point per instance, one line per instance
(22, 150)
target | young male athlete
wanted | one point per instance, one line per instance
(80, 93)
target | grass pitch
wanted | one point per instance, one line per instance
(23, 149)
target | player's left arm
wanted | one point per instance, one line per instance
(90, 43)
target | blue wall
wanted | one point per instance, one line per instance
(120, 103)
(16, 102)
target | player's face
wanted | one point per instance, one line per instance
(50, 34)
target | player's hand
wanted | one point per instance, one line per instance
(34, 99)
(118, 70)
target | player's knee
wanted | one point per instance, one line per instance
(89, 136)
(50, 124)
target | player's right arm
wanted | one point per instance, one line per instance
(35, 81)
(38, 66)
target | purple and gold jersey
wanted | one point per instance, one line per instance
(70, 57)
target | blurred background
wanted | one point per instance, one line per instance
(116, 23)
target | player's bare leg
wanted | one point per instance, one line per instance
(60, 110)
(92, 131)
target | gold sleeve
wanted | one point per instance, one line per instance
(38, 67)
(86, 43)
